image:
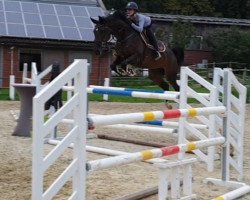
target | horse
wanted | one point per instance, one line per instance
(56, 99)
(131, 49)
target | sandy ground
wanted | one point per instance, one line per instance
(16, 154)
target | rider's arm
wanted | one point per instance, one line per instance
(143, 21)
(140, 26)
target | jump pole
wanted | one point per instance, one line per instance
(149, 154)
(104, 151)
(139, 94)
(100, 120)
(110, 89)
(174, 124)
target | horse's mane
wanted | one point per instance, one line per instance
(118, 15)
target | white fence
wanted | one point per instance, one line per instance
(78, 73)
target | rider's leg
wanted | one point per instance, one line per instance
(153, 41)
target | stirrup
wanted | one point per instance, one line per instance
(158, 55)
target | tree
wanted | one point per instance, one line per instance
(231, 45)
(117, 5)
(182, 33)
(239, 9)
(190, 7)
(213, 8)
(144, 5)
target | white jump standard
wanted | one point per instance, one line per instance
(215, 114)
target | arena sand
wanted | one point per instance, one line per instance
(16, 156)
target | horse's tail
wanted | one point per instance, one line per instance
(179, 54)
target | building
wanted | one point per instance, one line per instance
(44, 31)
(198, 50)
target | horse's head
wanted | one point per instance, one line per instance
(102, 35)
(114, 24)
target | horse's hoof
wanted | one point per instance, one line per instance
(169, 106)
(130, 71)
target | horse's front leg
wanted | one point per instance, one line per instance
(115, 66)
(117, 61)
(130, 60)
(128, 63)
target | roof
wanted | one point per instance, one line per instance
(49, 19)
(200, 20)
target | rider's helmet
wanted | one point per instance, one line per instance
(132, 5)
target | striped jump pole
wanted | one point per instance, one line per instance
(140, 94)
(205, 95)
(141, 128)
(104, 120)
(173, 124)
(150, 154)
(244, 189)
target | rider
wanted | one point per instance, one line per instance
(142, 22)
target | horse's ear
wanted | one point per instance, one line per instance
(94, 20)
(102, 20)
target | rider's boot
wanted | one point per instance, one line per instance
(156, 51)
(153, 41)
(157, 55)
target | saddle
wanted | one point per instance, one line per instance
(161, 45)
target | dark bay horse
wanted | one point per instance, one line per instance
(131, 49)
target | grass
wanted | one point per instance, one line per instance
(97, 97)
(4, 95)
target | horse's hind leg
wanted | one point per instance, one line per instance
(172, 79)
(157, 76)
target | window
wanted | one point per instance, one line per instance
(195, 43)
(28, 56)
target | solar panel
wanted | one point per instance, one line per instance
(79, 11)
(67, 21)
(47, 20)
(71, 33)
(46, 8)
(1, 16)
(16, 30)
(2, 29)
(87, 34)
(12, 17)
(63, 10)
(53, 32)
(29, 7)
(35, 31)
(31, 18)
(12, 6)
(50, 20)
(83, 22)
(94, 12)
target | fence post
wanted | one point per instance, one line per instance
(106, 84)
(25, 72)
(12, 89)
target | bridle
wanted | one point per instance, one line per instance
(104, 43)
